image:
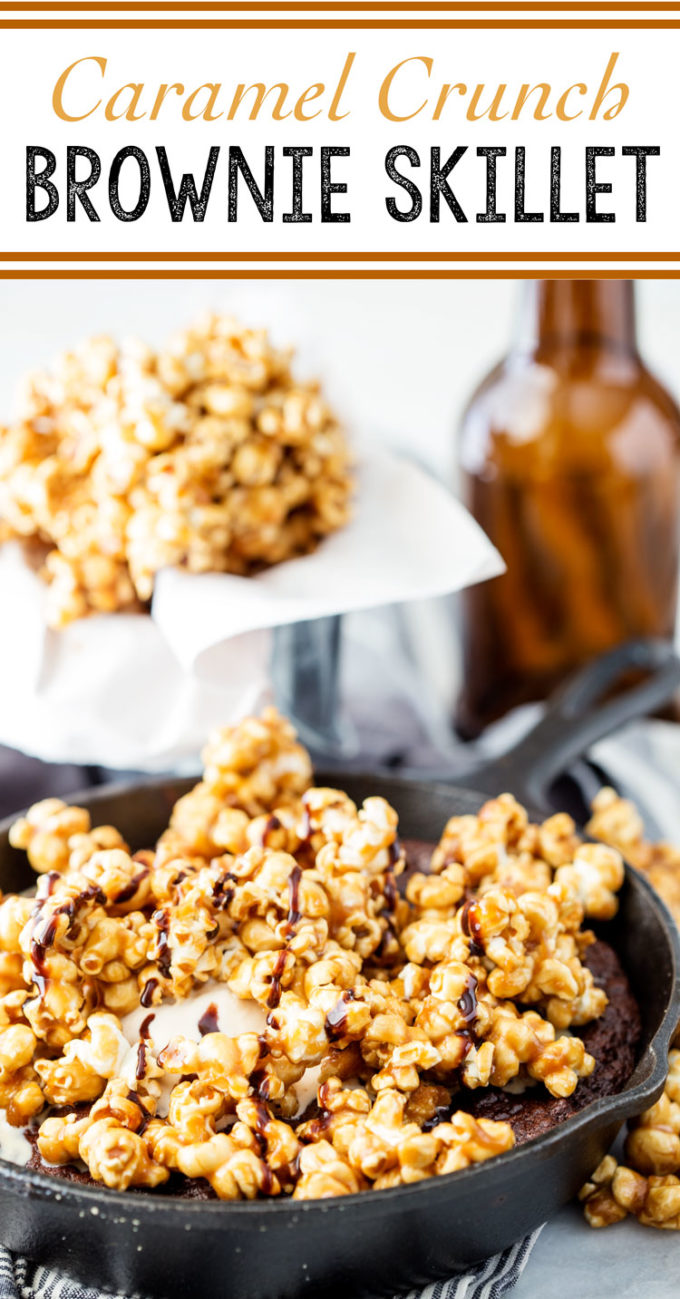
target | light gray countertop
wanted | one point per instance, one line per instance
(626, 1261)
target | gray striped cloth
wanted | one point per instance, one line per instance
(20, 1279)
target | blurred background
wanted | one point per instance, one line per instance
(399, 361)
(399, 358)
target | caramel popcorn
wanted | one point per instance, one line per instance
(45, 832)
(206, 454)
(615, 1191)
(650, 1187)
(363, 1015)
(618, 823)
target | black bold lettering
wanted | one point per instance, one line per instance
(330, 187)
(77, 189)
(491, 154)
(439, 185)
(130, 214)
(403, 151)
(40, 180)
(297, 153)
(642, 152)
(187, 192)
(556, 213)
(595, 187)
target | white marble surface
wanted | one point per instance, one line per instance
(626, 1261)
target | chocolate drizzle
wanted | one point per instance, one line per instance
(262, 1121)
(223, 892)
(388, 947)
(316, 1129)
(294, 890)
(467, 1006)
(468, 1039)
(148, 990)
(337, 1017)
(471, 928)
(261, 1118)
(161, 920)
(272, 823)
(145, 1027)
(132, 887)
(208, 1023)
(45, 930)
(39, 948)
(146, 1115)
(144, 1034)
(274, 996)
(441, 1115)
(260, 1080)
(275, 990)
(391, 892)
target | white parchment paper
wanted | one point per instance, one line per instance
(140, 691)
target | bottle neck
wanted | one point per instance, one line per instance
(577, 315)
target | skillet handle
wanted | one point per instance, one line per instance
(575, 717)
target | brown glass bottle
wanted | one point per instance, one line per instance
(569, 455)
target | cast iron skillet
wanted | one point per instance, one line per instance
(380, 1242)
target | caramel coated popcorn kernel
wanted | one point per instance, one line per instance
(648, 1185)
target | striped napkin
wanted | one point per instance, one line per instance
(20, 1279)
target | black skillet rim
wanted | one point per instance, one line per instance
(652, 1066)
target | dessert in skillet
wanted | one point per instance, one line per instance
(206, 454)
(277, 999)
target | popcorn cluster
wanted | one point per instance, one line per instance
(616, 821)
(648, 1185)
(286, 895)
(206, 455)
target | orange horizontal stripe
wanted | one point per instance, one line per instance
(345, 274)
(338, 257)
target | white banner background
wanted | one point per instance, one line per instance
(32, 60)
